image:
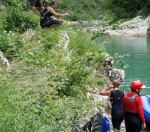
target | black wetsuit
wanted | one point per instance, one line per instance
(116, 111)
(132, 122)
(47, 20)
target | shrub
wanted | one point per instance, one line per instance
(18, 20)
(10, 44)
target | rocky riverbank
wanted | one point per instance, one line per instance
(137, 27)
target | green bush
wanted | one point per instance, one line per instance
(18, 20)
(114, 26)
(45, 90)
(11, 44)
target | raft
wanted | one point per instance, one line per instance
(146, 108)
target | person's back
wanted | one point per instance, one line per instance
(116, 96)
(116, 110)
(116, 99)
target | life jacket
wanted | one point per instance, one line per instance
(128, 103)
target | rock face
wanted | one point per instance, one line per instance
(4, 64)
(112, 73)
(136, 27)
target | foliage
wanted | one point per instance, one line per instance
(120, 61)
(95, 9)
(10, 44)
(39, 109)
(127, 8)
(114, 26)
(16, 19)
(80, 10)
(45, 89)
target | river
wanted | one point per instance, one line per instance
(139, 60)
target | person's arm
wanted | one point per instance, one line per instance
(106, 91)
(57, 14)
(139, 106)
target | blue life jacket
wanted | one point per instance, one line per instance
(105, 124)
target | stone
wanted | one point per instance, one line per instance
(148, 32)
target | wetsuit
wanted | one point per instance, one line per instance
(133, 110)
(116, 111)
(47, 20)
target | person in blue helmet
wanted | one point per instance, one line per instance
(116, 97)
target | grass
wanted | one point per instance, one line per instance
(44, 90)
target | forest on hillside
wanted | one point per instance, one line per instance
(96, 9)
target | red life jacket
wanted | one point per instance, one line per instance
(128, 103)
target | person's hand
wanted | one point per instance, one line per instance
(33, 8)
(66, 14)
(143, 125)
(111, 86)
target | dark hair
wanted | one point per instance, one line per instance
(52, 3)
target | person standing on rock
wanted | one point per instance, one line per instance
(133, 108)
(116, 97)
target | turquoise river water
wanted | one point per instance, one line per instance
(138, 61)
